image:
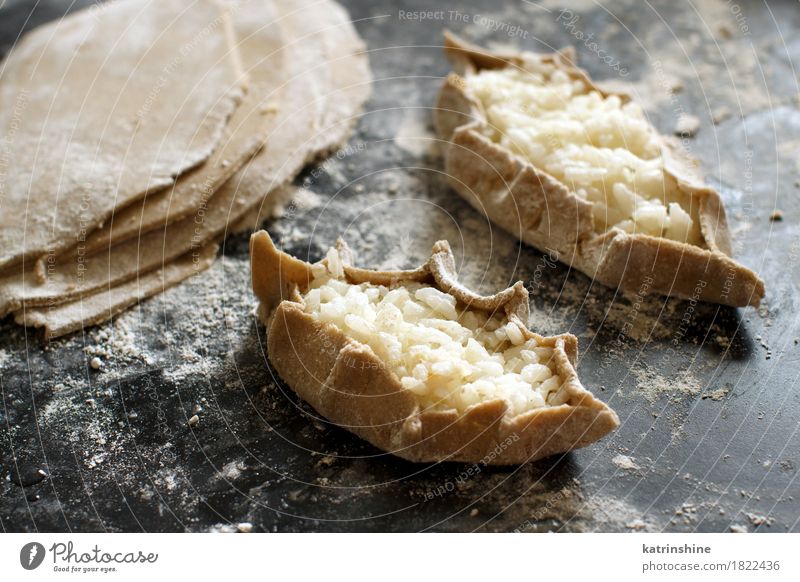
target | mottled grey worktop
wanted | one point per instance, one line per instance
(708, 397)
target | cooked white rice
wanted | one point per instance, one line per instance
(604, 150)
(448, 356)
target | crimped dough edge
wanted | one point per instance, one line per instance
(344, 381)
(545, 213)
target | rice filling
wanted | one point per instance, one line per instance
(448, 355)
(604, 150)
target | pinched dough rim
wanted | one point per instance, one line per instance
(545, 213)
(347, 383)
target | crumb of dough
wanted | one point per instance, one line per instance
(244, 527)
(720, 114)
(96, 363)
(271, 107)
(625, 462)
(326, 461)
(473, 513)
(738, 529)
(636, 525)
(194, 420)
(758, 520)
(716, 395)
(687, 125)
(40, 271)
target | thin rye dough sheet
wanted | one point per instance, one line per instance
(287, 150)
(260, 42)
(104, 107)
(66, 318)
(71, 276)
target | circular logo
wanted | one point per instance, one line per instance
(31, 555)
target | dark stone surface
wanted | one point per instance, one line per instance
(708, 396)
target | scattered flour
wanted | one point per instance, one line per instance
(414, 135)
(653, 385)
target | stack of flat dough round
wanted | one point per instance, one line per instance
(289, 87)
